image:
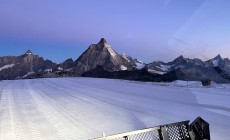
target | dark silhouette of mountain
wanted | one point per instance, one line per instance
(137, 75)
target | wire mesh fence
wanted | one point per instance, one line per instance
(198, 130)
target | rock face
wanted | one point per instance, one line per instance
(67, 65)
(103, 55)
(23, 66)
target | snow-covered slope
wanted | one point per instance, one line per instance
(137, 64)
(84, 108)
(156, 72)
(6, 67)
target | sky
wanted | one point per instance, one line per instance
(148, 30)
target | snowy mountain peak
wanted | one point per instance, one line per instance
(102, 44)
(29, 52)
(216, 60)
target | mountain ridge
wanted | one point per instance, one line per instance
(102, 57)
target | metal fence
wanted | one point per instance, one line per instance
(198, 130)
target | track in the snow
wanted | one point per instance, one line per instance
(84, 108)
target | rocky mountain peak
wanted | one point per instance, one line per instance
(101, 54)
(102, 41)
(181, 57)
(217, 57)
(103, 47)
(179, 60)
(103, 44)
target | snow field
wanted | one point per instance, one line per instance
(84, 108)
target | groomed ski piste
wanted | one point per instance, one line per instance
(84, 108)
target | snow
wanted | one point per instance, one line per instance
(123, 67)
(215, 62)
(60, 68)
(28, 53)
(180, 66)
(156, 72)
(111, 51)
(125, 57)
(48, 70)
(70, 69)
(86, 108)
(165, 67)
(139, 64)
(6, 67)
(28, 74)
(161, 69)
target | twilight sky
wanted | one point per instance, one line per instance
(145, 29)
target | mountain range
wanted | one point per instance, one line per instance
(100, 60)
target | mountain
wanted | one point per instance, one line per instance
(23, 66)
(103, 55)
(222, 63)
(216, 69)
(136, 64)
(67, 64)
(100, 60)
(158, 67)
(30, 65)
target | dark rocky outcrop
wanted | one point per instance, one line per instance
(137, 75)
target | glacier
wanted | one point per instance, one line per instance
(85, 108)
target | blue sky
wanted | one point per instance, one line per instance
(148, 29)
